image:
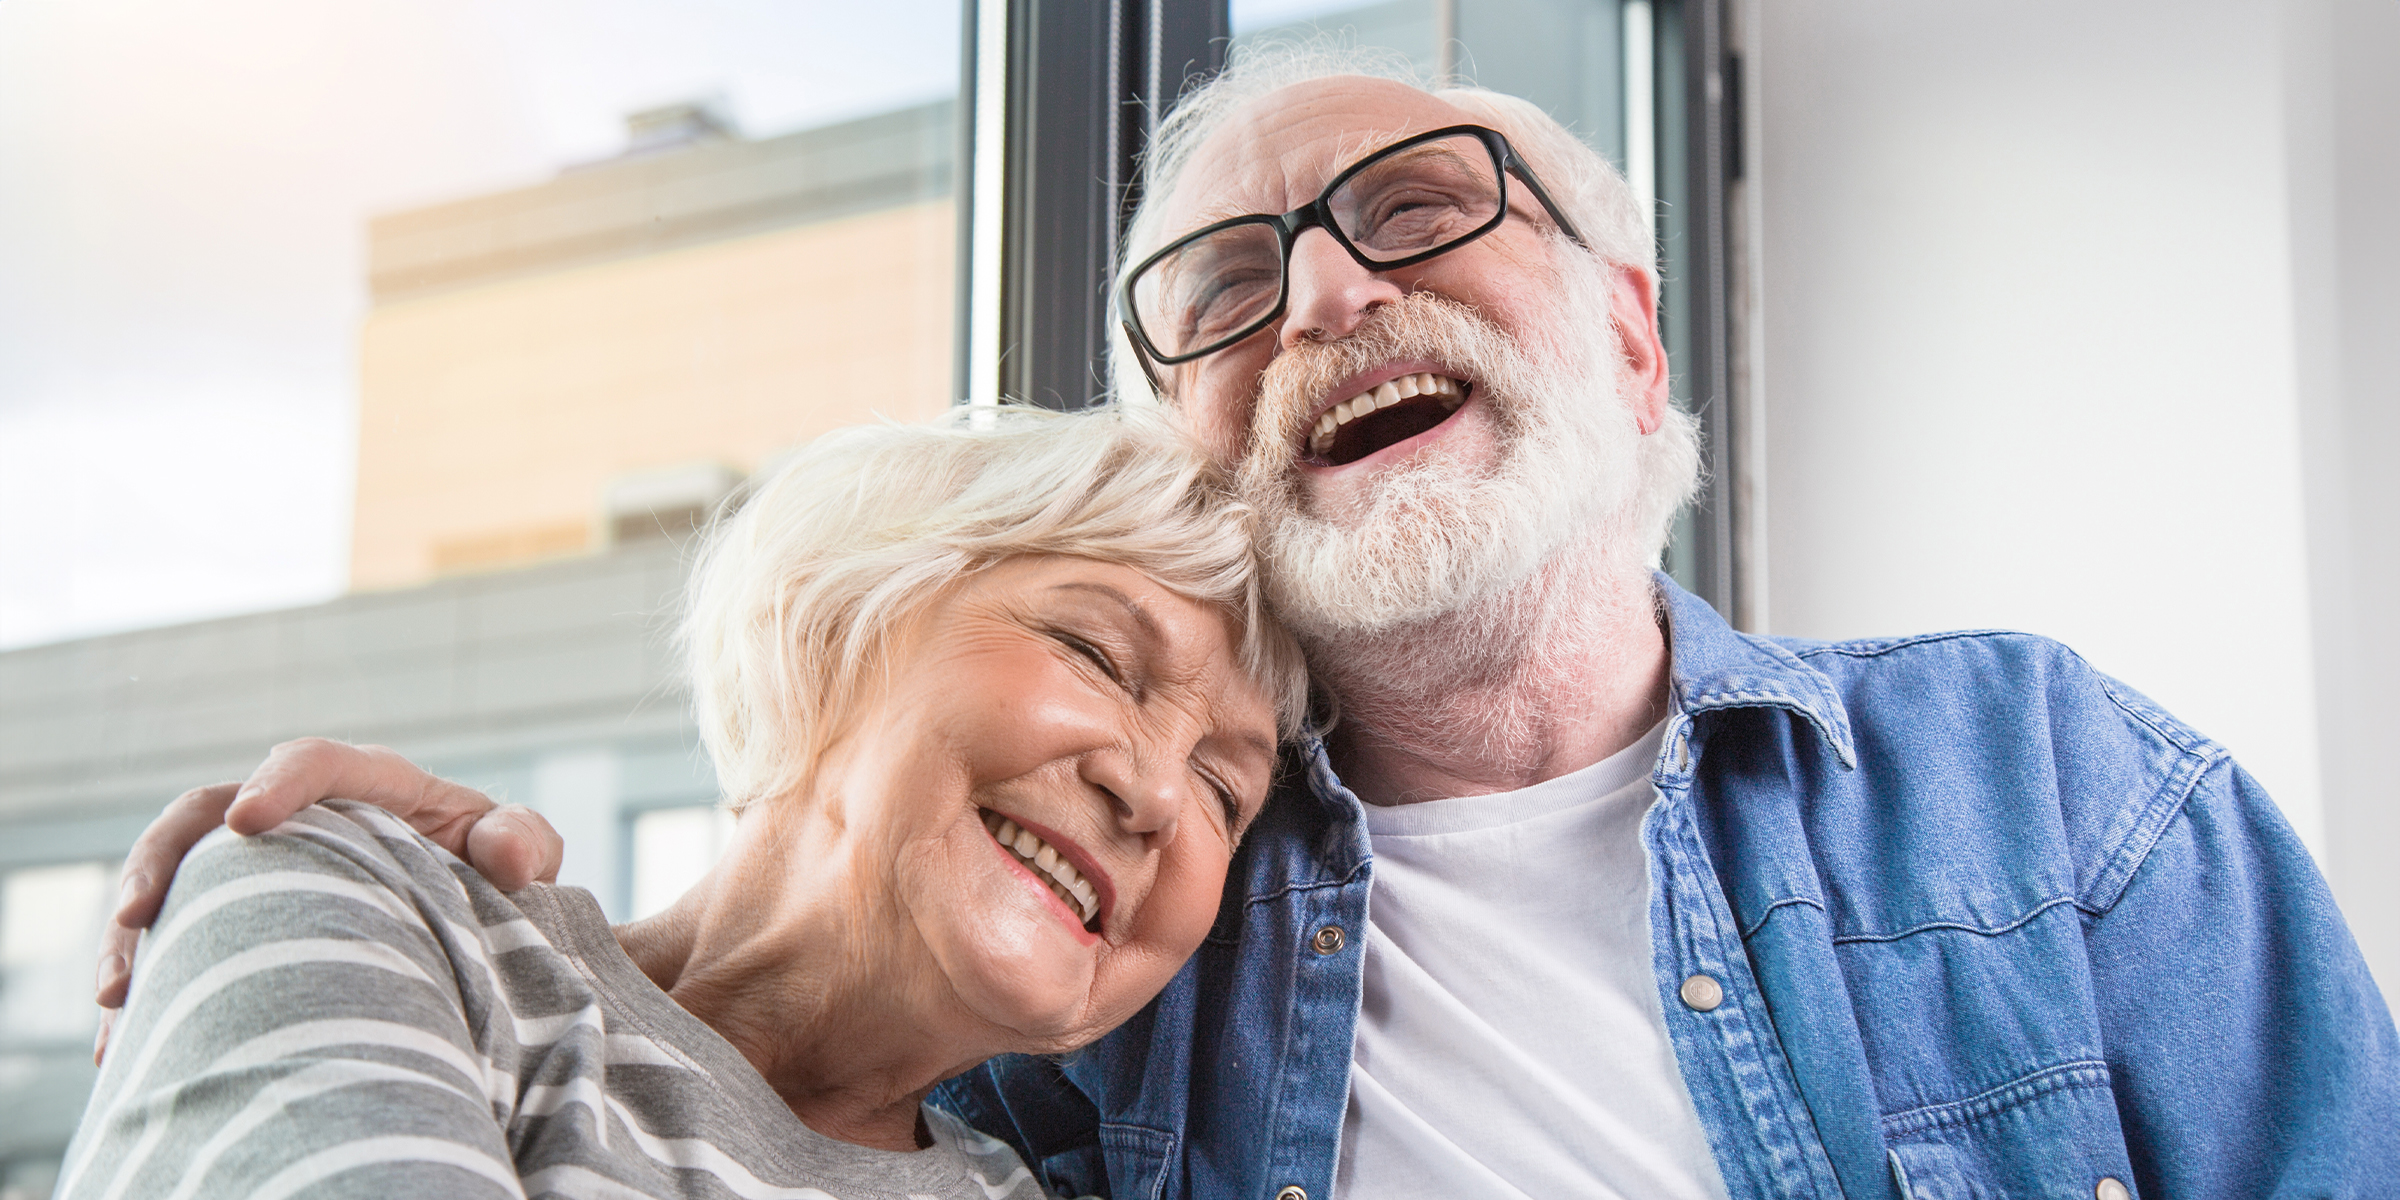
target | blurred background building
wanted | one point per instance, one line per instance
(543, 366)
(557, 384)
(2022, 313)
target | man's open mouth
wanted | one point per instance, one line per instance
(1385, 415)
(1048, 866)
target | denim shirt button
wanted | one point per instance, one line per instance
(1702, 994)
(1292, 1192)
(2111, 1188)
(1328, 939)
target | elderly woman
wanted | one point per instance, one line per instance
(994, 706)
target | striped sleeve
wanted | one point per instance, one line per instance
(298, 1023)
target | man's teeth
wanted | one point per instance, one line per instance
(1384, 395)
(1048, 865)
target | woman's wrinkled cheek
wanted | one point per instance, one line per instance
(995, 945)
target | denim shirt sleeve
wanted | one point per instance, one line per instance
(2251, 1053)
(2039, 933)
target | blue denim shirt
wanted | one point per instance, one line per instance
(1985, 921)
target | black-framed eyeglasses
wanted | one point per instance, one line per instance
(1419, 197)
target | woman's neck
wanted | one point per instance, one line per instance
(775, 961)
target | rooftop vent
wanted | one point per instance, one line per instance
(670, 126)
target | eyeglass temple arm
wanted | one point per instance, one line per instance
(1133, 342)
(1518, 167)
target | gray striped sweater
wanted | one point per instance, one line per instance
(341, 1008)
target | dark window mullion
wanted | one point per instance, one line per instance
(1085, 80)
(1694, 151)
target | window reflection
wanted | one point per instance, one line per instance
(1565, 55)
(672, 849)
(50, 918)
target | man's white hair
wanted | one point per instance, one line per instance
(1591, 193)
(793, 608)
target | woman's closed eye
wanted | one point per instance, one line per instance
(1092, 651)
(1229, 802)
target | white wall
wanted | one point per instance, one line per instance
(2343, 73)
(2046, 344)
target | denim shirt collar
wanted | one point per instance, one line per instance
(1711, 666)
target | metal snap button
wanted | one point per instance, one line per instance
(1328, 940)
(1701, 993)
(1292, 1192)
(2111, 1188)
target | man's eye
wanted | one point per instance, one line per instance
(1228, 299)
(1411, 220)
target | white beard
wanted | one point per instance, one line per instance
(1433, 537)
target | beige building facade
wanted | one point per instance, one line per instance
(546, 371)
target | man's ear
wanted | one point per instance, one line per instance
(1633, 310)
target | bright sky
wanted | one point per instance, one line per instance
(184, 190)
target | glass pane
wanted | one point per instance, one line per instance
(306, 297)
(50, 918)
(1565, 55)
(672, 849)
(1403, 25)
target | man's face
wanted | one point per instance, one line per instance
(1517, 434)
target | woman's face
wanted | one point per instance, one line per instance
(1097, 722)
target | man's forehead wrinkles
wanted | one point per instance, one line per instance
(1317, 147)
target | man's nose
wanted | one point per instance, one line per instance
(1330, 293)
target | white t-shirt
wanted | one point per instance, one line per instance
(1510, 1041)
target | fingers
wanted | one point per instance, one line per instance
(108, 1021)
(142, 887)
(518, 848)
(513, 846)
(115, 970)
(150, 864)
(299, 773)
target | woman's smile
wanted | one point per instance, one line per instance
(1055, 864)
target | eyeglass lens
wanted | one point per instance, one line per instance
(1407, 202)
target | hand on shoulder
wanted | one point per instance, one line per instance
(510, 844)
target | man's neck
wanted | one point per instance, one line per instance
(1560, 671)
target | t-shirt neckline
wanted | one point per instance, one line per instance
(1461, 814)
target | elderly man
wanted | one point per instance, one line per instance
(1585, 894)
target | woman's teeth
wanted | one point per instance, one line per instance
(1384, 395)
(1047, 864)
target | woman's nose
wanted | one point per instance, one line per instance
(1148, 801)
(1329, 292)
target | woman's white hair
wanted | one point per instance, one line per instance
(793, 605)
(1587, 188)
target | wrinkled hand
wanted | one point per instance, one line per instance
(509, 844)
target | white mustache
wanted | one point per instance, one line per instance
(1421, 326)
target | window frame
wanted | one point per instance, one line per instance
(1082, 83)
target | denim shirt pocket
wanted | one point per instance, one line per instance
(1137, 1159)
(2053, 1132)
